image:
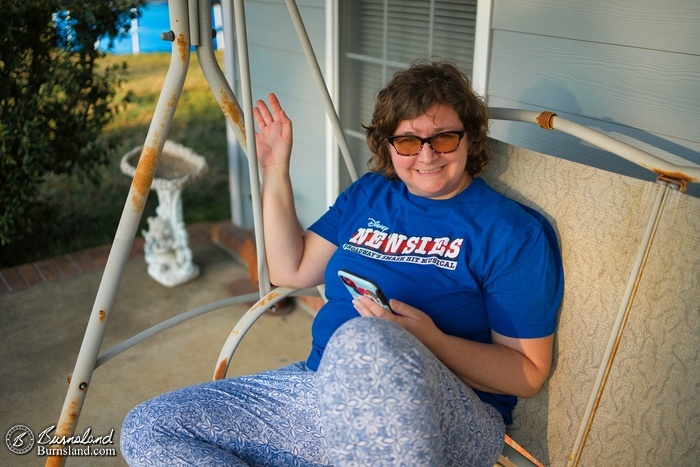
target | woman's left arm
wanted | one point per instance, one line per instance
(506, 366)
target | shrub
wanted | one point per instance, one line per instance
(54, 101)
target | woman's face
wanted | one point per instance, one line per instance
(427, 174)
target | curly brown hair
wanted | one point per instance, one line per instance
(409, 94)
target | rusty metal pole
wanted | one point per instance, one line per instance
(251, 150)
(240, 120)
(128, 224)
(550, 121)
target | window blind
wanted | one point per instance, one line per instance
(379, 37)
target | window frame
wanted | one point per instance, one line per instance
(335, 51)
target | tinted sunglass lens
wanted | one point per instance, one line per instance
(447, 142)
(407, 146)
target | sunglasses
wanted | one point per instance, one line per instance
(440, 143)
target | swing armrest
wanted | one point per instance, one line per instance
(244, 324)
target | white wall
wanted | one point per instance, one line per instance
(628, 67)
(278, 64)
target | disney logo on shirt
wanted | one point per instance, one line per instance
(377, 224)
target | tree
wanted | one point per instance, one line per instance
(54, 97)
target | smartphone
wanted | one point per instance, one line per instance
(358, 286)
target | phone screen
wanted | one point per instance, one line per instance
(359, 286)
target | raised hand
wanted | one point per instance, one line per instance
(274, 136)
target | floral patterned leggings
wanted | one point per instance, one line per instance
(379, 398)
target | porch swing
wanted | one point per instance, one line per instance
(623, 386)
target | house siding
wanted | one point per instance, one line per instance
(277, 64)
(630, 68)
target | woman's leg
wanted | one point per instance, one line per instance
(386, 400)
(264, 419)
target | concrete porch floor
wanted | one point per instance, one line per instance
(43, 327)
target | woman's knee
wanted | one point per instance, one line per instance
(144, 416)
(141, 421)
(149, 423)
(371, 335)
(136, 434)
(365, 350)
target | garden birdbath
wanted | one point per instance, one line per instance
(166, 248)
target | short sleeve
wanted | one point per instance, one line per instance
(525, 287)
(328, 225)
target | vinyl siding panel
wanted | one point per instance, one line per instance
(614, 66)
(278, 64)
(625, 85)
(670, 25)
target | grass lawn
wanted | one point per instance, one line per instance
(80, 215)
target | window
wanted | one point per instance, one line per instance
(379, 37)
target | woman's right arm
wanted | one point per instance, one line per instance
(295, 258)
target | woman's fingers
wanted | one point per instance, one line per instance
(367, 307)
(258, 116)
(274, 102)
(262, 114)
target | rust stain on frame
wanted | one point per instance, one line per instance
(546, 120)
(221, 369)
(172, 103)
(145, 170)
(102, 315)
(64, 430)
(269, 298)
(232, 112)
(679, 178)
(55, 461)
(181, 44)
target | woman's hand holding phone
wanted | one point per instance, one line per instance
(370, 301)
(367, 307)
(359, 286)
(412, 319)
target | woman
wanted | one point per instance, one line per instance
(475, 281)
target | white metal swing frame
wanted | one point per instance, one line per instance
(191, 25)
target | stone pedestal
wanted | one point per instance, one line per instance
(166, 248)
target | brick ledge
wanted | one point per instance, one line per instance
(22, 277)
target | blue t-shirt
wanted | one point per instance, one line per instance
(475, 262)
